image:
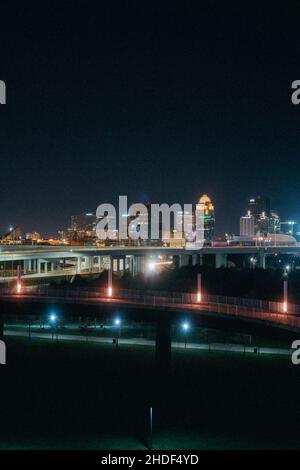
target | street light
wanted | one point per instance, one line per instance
(117, 322)
(185, 327)
(109, 279)
(285, 288)
(53, 322)
(53, 318)
(19, 284)
(199, 287)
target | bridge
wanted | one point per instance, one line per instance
(260, 311)
(54, 261)
(166, 306)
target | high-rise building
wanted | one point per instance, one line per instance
(83, 222)
(274, 224)
(34, 236)
(258, 206)
(266, 221)
(247, 225)
(82, 228)
(205, 219)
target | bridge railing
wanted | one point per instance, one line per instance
(215, 303)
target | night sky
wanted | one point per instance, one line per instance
(161, 100)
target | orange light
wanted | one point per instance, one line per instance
(199, 297)
(19, 287)
(109, 292)
(285, 307)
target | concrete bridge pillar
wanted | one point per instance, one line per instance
(34, 265)
(131, 265)
(39, 262)
(142, 264)
(115, 264)
(195, 259)
(84, 262)
(27, 265)
(90, 263)
(137, 265)
(79, 264)
(122, 264)
(221, 260)
(262, 260)
(98, 262)
(184, 260)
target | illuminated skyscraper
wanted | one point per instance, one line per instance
(259, 206)
(247, 225)
(205, 219)
(266, 221)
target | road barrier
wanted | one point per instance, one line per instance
(263, 310)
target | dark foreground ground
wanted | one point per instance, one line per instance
(87, 396)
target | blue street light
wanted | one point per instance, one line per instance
(117, 322)
(53, 318)
(185, 327)
(53, 323)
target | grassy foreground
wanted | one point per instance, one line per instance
(91, 396)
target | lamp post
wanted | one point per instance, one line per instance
(285, 288)
(117, 322)
(185, 327)
(19, 284)
(199, 287)
(53, 321)
(109, 286)
(151, 428)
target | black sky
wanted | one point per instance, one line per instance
(168, 100)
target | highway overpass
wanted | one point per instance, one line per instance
(52, 261)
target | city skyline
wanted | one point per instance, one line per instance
(259, 218)
(135, 105)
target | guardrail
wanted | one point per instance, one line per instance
(271, 312)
